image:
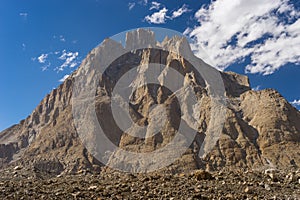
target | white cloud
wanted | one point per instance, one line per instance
(42, 58)
(24, 15)
(64, 78)
(62, 59)
(296, 102)
(62, 38)
(232, 30)
(257, 88)
(46, 66)
(69, 58)
(187, 31)
(143, 2)
(157, 17)
(180, 11)
(161, 16)
(131, 5)
(154, 5)
(23, 46)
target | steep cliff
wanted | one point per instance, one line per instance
(261, 127)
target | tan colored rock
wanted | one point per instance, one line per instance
(261, 129)
(202, 175)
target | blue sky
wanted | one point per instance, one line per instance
(42, 41)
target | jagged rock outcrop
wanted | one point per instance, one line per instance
(261, 127)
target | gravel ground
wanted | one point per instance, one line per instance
(20, 184)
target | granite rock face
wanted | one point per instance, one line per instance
(261, 128)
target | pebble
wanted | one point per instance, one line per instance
(18, 168)
(248, 190)
(202, 175)
(267, 187)
(92, 187)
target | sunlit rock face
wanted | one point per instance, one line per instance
(261, 127)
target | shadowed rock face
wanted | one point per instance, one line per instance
(261, 127)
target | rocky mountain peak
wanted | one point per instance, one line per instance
(261, 128)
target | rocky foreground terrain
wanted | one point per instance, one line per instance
(199, 184)
(257, 155)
